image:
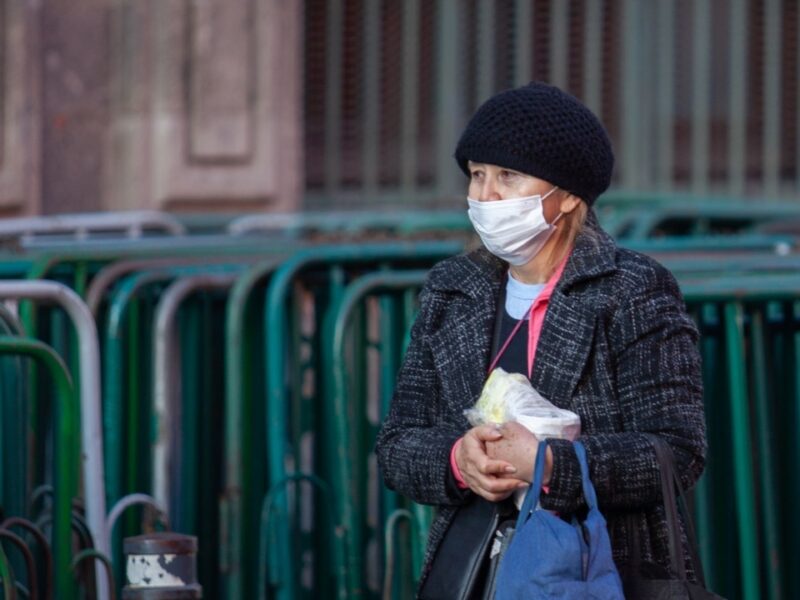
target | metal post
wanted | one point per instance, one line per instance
(341, 404)
(236, 449)
(65, 431)
(278, 450)
(91, 427)
(166, 396)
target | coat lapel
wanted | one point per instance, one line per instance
(474, 283)
(567, 337)
(565, 344)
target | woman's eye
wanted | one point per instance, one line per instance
(508, 175)
(476, 175)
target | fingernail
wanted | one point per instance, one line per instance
(510, 469)
(522, 486)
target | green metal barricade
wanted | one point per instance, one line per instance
(300, 295)
(66, 452)
(379, 308)
(750, 343)
(263, 394)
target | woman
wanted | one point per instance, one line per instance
(599, 330)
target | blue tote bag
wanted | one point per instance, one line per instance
(552, 558)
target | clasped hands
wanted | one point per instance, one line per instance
(496, 460)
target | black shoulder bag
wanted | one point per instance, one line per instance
(649, 582)
(461, 568)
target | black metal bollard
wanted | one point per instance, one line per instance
(161, 566)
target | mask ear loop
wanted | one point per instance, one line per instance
(560, 214)
(555, 187)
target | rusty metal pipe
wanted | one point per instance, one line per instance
(31, 528)
(30, 567)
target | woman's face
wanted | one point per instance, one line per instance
(488, 183)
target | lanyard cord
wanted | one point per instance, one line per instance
(507, 342)
(498, 319)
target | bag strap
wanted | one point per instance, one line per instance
(532, 497)
(534, 492)
(670, 482)
(666, 471)
(588, 489)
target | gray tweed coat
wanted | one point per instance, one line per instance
(616, 347)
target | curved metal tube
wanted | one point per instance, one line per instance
(31, 528)
(119, 304)
(166, 397)
(353, 221)
(266, 509)
(7, 576)
(11, 320)
(113, 372)
(90, 413)
(275, 333)
(16, 409)
(110, 273)
(125, 503)
(96, 554)
(391, 525)
(231, 498)
(344, 462)
(30, 567)
(132, 223)
(66, 444)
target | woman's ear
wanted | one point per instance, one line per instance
(569, 202)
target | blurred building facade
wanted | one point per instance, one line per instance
(252, 105)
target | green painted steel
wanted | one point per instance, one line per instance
(344, 420)
(7, 575)
(742, 449)
(767, 458)
(277, 333)
(728, 292)
(91, 553)
(14, 449)
(123, 299)
(330, 324)
(66, 444)
(241, 459)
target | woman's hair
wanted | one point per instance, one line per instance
(568, 228)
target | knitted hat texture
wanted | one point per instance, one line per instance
(542, 131)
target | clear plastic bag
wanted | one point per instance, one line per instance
(510, 397)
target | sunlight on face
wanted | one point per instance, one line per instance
(490, 182)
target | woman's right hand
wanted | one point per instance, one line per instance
(491, 479)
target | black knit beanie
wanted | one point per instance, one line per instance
(542, 131)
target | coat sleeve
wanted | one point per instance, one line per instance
(659, 391)
(413, 446)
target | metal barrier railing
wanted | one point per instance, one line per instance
(133, 224)
(336, 260)
(284, 370)
(91, 428)
(66, 446)
(736, 297)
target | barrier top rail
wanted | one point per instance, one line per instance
(132, 224)
(351, 221)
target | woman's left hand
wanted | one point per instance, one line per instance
(519, 446)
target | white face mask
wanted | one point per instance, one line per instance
(514, 230)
